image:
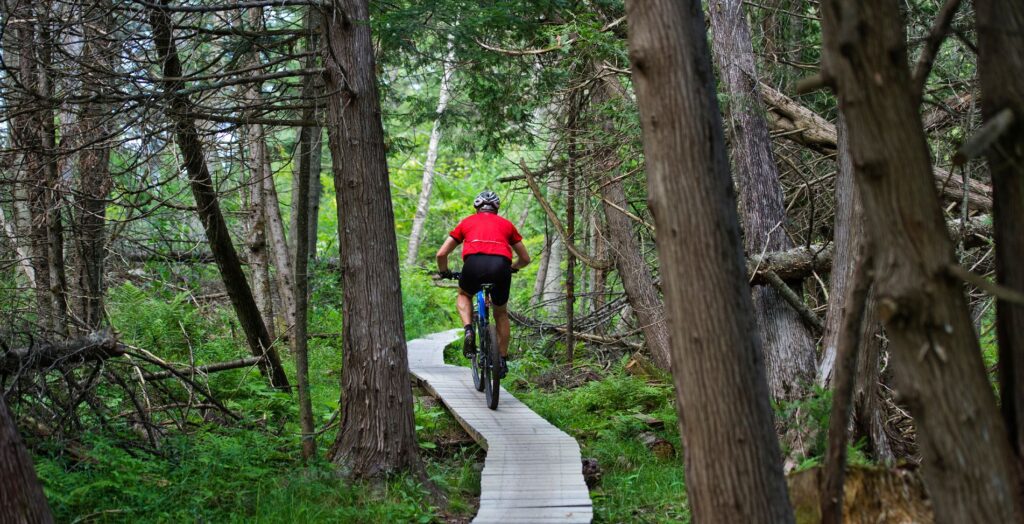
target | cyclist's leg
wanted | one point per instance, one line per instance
(465, 305)
(503, 327)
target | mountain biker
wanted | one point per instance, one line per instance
(488, 242)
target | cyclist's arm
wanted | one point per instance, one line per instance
(522, 256)
(442, 254)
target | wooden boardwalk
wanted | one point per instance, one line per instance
(533, 471)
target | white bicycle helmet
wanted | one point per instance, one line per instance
(487, 199)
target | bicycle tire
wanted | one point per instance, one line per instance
(477, 367)
(493, 385)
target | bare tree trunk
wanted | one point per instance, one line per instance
(377, 435)
(598, 277)
(207, 204)
(849, 236)
(315, 187)
(788, 345)
(23, 500)
(967, 461)
(420, 218)
(551, 294)
(542, 272)
(307, 136)
(258, 259)
(95, 180)
(24, 258)
(637, 281)
(278, 243)
(26, 121)
(721, 392)
(1001, 70)
(570, 269)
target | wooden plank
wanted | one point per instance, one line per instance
(533, 470)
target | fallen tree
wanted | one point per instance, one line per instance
(791, 120)
(100, 345)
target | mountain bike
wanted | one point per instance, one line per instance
(486, 361)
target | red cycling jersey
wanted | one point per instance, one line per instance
(486, 233)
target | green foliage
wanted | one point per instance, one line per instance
(809, 419)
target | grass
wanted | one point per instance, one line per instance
(251, 471)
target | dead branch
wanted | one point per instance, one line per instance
(206, 369)
(97, 346)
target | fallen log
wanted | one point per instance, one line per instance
(798, 263)
(205, 369)
(100, 345)
(789, 119)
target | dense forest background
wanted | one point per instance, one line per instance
(808, 255)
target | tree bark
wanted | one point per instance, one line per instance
(542, 272)
(377, 435)
(23, 501)
(849, 237)
(788, 345)
(278, 243)
(300, 346)
(1000, 25)
(420, 218)
(205, 194)
(637, 281)
(966, 454)
(258, 258)
(551, 293)
(721, 392)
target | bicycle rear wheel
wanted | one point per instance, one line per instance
(493, 374)
(478, 365)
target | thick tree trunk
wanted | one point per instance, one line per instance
(637, 281)
(420, 218)
(23, 501)
(94, 178)
(27, 130)
(207, 204)
(787, 343)
(721, 392)
(1001, 70)
(849, 236)
(377, 433)
(966, 454)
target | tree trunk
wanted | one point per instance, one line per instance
(278, 243)
(966, 455)
(377, 435)
(570, 263)
(787, 343)
(542, 272)
(23, 500)
(598, 277)
(637, 281)
(258, 259)
(1001, 70)
(849, 236)
(207, 204)
(315, 187)
(721, 392)
(551, 294)
(94, 178)
(420, 218)
(300, 347)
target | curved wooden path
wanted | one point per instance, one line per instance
(533, 471)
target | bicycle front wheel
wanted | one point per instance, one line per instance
(493, 375)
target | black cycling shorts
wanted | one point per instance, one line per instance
(487, 269)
